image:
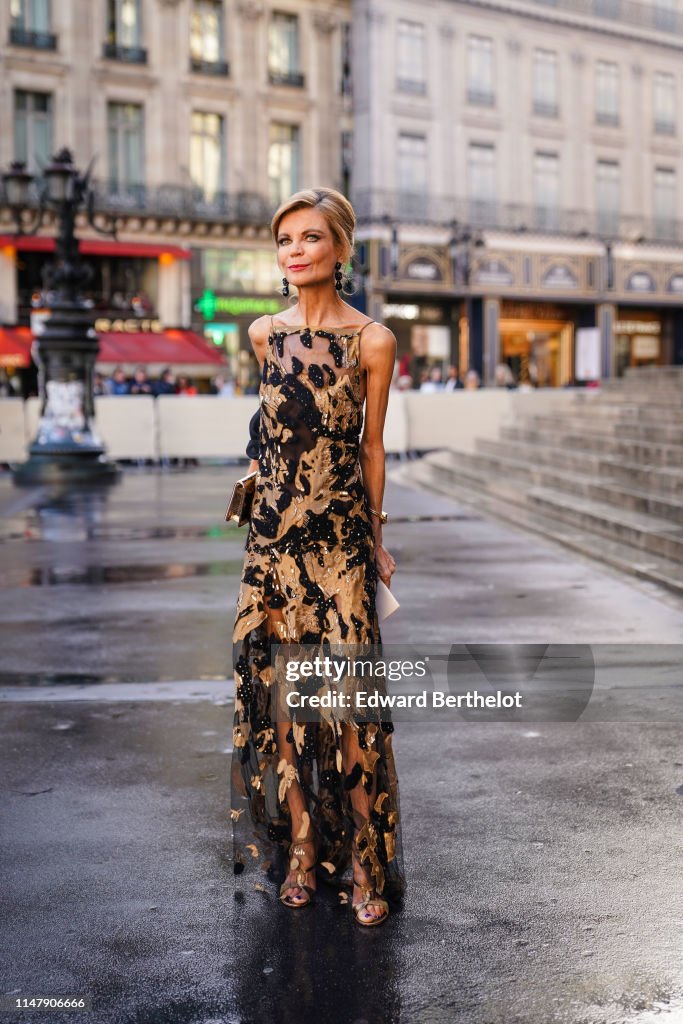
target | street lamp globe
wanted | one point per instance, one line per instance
(60, 176)
(17, 182)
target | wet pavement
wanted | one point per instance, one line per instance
(543, 862)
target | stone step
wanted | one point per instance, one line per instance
(558, 478)
(674, 373)
(649, 533)
(656, 479)
(584, 423)
(635, 389)
(649, 452)
(622, 410)
(426, 472)
(660, 404)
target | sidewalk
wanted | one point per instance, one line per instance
(544, 866)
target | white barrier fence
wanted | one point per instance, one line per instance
(208, 426)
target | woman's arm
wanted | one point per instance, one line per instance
(378, 357)
(258, 336)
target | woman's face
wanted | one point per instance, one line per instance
(306, 251)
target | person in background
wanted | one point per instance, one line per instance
(166, 385)
(99, 385)
(141, 384)
(472, 380)
(453, 382)
(118, 384)
(433, 381)
(504, 377)
(223, 387)
(186, 386)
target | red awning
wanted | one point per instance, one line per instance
(15, 346)
(97, 247)
(170, 347)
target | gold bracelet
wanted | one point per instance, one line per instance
(382, 516)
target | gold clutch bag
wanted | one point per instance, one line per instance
(242, 499)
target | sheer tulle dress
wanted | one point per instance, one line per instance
(309, 577)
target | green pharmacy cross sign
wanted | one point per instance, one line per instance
(234, 305)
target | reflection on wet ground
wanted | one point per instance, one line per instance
(36, 531)
(98, 574)
(543, 894)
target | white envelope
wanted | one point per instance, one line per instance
(385, 602)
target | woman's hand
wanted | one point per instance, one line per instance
(386, 566)
(253, 466)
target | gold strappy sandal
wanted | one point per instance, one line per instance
(370, 899)
(297, 851)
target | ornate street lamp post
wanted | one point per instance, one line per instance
(67, 448)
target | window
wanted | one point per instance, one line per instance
(412, 58)
(546, 190)
(125, 129)
(664, 103)
(124, 31)
(33, 128)
(207, 154)
(607, 93)
(206, 36)
(346, 41)
(545, 83)
(283, 161)
(481, 181)
(665, 15)
(480, 87)
(608, 8)
(283, 50)
(608, 186)
(412, 174)
(245, 271)
(347, 161)
(30, 24)
(665, 203)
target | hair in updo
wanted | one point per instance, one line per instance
(336, 209)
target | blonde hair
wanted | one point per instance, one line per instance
(336, 209)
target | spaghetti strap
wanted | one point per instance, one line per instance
(360, 333)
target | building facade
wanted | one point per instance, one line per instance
(202, 115)
(518, 178)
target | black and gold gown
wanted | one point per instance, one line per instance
(309, 577)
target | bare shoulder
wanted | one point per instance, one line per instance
(378, 342)
(258, 331)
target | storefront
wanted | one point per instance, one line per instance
(537, 342)
(230, 289)
(125, 277)
(131, 342)
(639, 337)
(426, 334)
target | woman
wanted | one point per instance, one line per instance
(325, 791)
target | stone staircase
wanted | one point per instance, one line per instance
(603, 475)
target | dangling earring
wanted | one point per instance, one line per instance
(285, 286)
(337, 276)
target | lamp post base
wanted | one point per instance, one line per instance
(67, 469)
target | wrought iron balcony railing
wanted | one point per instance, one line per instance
(414, 86)
(608, 117)
(128, 54)
(481, 97)
(295, 78)
(30, 37)
(543, 109)
(209, 67)
(634, 13)
(381, 205)
(183, 202)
